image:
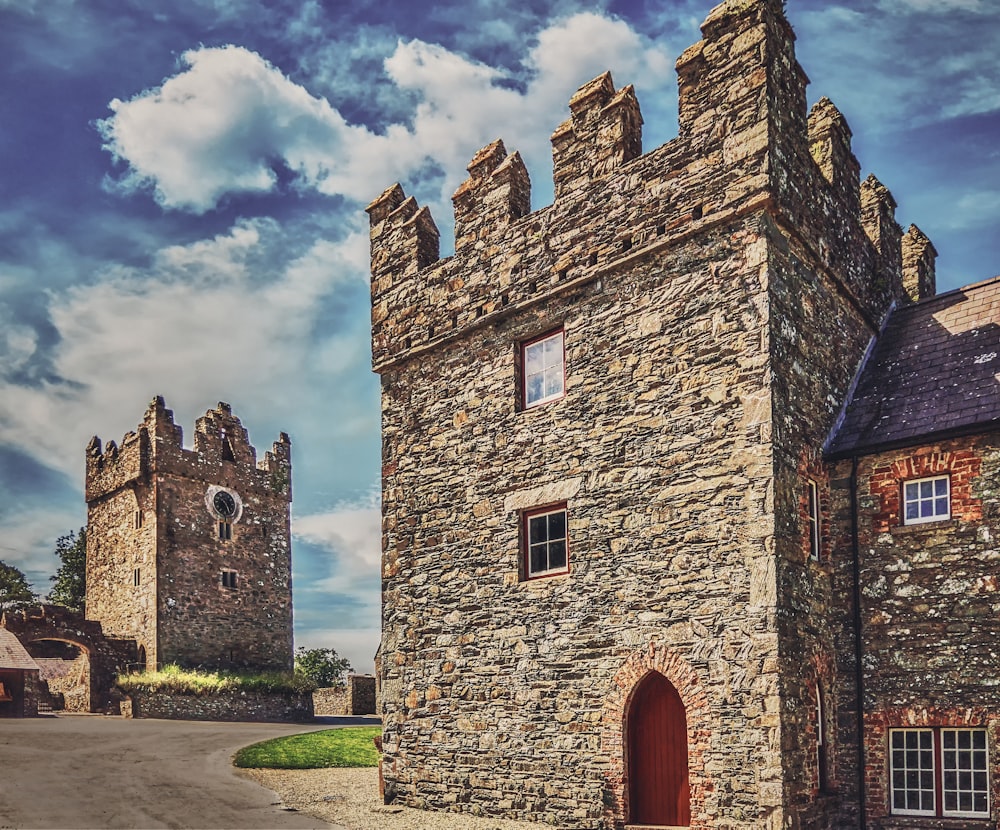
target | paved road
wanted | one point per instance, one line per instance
(89, 771)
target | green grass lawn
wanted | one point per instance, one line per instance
(350, 747)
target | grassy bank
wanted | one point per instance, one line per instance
(350, 747)
(178, 681)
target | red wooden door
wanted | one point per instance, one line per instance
(657, 755)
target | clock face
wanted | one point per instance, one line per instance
(224, 504)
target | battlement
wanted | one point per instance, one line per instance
(157, 446)
(745, 144)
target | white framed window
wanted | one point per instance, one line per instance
(543, 367)
(815, 529)
(939, 772)
(926, 500)
(546, 542)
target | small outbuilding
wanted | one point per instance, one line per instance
(19, 683)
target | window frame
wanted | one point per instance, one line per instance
(231, 583)
(938, 771)
(905, 502)
(815, 520)
(225, 530)
(524, 346)
(536, 513)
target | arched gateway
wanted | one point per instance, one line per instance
(100, 658)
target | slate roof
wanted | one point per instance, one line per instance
(934, 372)
(12, 653)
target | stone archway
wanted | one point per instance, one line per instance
(105, 656)
(64, 667)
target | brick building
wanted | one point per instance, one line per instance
(649, 455)
(189, 550)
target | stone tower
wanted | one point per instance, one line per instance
(189, 551)
(603, 431)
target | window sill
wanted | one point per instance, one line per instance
(934, 823)
(921, 527)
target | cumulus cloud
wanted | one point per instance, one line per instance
(229, 314)
(231, 122)
(351, 532)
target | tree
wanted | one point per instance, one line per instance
(15, 592)
(70, 589)
(322, 665)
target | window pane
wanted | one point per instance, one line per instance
(553, 351)
(557, 555)
(557, 525)
(553, 381)
(533, 388)
(926, 509)
(533, 359)
(941, 507)
(941, 487)
(911, 510)
(911, 492)
(537, 530)
(926, 489)
(538, 562)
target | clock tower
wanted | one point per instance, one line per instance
(189, 550)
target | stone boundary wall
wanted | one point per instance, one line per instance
(246, 706)
(356, 698)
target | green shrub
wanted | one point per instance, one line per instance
(173, 679)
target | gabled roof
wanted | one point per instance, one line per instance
(934, 372)
(12, 653)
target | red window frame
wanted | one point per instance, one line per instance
(544, 399)
(526, 526)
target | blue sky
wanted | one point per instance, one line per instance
(182, 188)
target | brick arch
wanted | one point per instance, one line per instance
(655, 658)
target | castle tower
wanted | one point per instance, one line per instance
(189, 551)
(608, 598)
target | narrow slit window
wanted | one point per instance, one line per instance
(225, 531)
(229, 579)
(136, 577)
(815, 535)
(137, 519)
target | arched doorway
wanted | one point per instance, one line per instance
(657, 753)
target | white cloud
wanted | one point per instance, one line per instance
(352, 533)
(230, 314)
(229, 119)
(935, 6)
(28, 542)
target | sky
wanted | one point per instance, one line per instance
(182, 193)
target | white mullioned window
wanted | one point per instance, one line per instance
(543, 363)
(939, 772)
(926, 500)
(815, 537)
(546, 546)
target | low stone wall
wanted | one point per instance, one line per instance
(356, 698)
(228, 706)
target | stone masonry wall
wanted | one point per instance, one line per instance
(930, 600)
(356, 697)
(496, 688)
(245, 706)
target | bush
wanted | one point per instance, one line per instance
(173, 679)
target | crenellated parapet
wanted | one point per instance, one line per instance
(157, 446)
(746, 144)
(497, 192)
(603, 132)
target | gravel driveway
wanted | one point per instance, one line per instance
(349, 798)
